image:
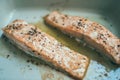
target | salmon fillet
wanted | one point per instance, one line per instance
(94, 34)
(41, 45)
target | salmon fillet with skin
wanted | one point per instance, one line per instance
(41, 45)
(94, 34)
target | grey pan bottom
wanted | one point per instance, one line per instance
(16, 65)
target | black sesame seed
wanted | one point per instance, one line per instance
(8, 56)
(105, 74)
(101, 35)
(28, 60)
(108, 35)
(33, 51)
(32, 29)
(80, 19)
(85, 20)
(16, 28)
(37, 63)
(39, 32)
(35, 30)
(13, 24)
(79, 24)
(104, 42)
(52, 50)
(83, 58)
(31, 33)
(66, 15)
(13, 27)
(118, 45)
(78, 64)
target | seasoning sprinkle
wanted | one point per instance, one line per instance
(118, 45)
(80, 24)
(117, 53)
(28, 61)
(8, 56)
(66, 16)
(52, 50)
(31, 33)
(105, 74)
(33, 51)
(39, 32)
(29, 38)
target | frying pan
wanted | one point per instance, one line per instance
(16, 65)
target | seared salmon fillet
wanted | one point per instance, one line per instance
(41, 45)
(94, 34)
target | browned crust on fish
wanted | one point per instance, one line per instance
(39, 44)
(94, 34)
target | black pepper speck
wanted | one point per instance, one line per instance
(28, 61)
(37, 63)
(79, 24)
(117, 53)
(52, 50)
(8, 56)
(39, 32)
(118, 45)
(105, 74)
